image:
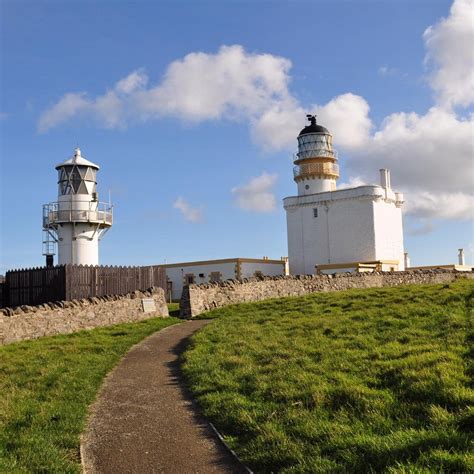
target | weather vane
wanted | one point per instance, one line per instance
(311, 118)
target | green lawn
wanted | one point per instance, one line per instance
(173, 309)
(46, 386)
(376, 380)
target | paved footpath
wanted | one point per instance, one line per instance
(145, 421)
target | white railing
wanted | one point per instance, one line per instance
(315, 153)
(313, 169)
(77, 211)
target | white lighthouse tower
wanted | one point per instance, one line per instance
(339, 230)
(316, 169)
(77, 220)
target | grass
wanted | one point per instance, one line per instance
(173, 309)
(46, 386)
(375, 380)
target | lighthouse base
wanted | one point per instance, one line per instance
(362, 224)
(78, 244)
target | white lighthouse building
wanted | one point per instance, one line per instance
(356, 229)
(77, 220)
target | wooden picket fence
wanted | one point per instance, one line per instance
(34, 286)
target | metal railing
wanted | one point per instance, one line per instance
(76, 211)
(315, 153)
(313, 169)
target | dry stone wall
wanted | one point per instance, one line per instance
(197, 299)
(64, 317)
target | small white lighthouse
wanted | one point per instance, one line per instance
(77, 220)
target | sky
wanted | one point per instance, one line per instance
(192, 109)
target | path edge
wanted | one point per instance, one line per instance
(86, 468)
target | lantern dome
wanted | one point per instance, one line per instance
(313, 127)
(77, 159)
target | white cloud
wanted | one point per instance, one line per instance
(191, 214)
(441, 205)
(69, 106)
(347, 117)
(353, 182)
(135, 81)
(231, 83)
(257, 195)
(432, 152)
(110, 110)
(275, 128)
(385, 71)
(450, 50)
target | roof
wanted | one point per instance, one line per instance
(223, 260)
(313, 127)
(77, 159)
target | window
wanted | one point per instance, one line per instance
(76, 179)
(307, 187)
(315, 212)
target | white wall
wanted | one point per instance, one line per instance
(248, 269)
(228, 271)
(351, 230)
(176, 274)
(315, 185)
(342, 232)
(78, 244)
(353, 225)
(389, 233)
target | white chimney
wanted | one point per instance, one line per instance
(407, 260)
(461, 257)
(385, 178)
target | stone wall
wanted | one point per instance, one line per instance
(64, 317)
(197, 299)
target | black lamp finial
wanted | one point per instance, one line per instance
(311, 118)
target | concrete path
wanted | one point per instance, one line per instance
(145, 421)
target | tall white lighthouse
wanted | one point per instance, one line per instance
(338, 230)
(77, 220)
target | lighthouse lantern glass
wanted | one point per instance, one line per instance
(77, 179)
(312, 144)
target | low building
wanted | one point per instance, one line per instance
(206, 271)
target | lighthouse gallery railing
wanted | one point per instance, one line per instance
(77, 211)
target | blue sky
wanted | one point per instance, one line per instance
(192, 111)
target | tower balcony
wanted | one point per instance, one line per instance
(309, 170)
(314, 153)
(54, 213)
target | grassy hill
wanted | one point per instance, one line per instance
(46, 387)
(363, 380)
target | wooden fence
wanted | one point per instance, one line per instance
(67, 282)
